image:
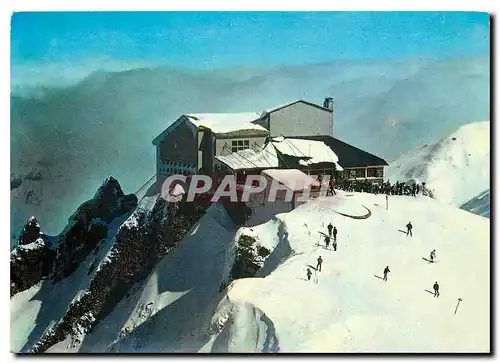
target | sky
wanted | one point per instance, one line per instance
(213, 40)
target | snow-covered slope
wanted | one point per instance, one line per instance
(456, 168)
(347, 307)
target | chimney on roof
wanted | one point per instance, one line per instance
(328, 103)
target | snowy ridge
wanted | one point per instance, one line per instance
(456, 168)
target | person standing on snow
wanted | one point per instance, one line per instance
(436, 289)
(386, 271)
(433, 255)
(309, 273)
(335, 235)
(327, 241)
(409, 227)
(320, 262)
(330, 227)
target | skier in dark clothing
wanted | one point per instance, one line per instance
(433, 255)
(386, 271)
(409, 227)
(436, 289)
(320, 261)
(327, 241)
(418, 188)
(309, 273)
(335, 235)
(330, 227)
(334, 244)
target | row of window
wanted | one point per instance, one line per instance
(370, 173)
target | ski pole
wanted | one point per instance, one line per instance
(458, 303)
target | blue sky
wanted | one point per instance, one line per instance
(207, 40)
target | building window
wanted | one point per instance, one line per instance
(355, 173)
(238, 145)
(375, 172)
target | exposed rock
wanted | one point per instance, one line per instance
(89, 225)
(30, 232)
(29, 263)
(250, 257)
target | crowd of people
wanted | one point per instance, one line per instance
(367, 186)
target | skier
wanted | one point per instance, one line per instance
(327, 241)
(335, 235)
(436, 289)
(309, 273)
(320, 261)
(433, 255)
(386, 271)
(418, 188)
(409, 228)
(330, 227)
(334, 244)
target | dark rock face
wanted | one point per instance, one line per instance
(35, 258)
(139, 244)
(89, 225)
(30, 232)
(29, 263)
(239, 212)
(31, 260)
(250, 257)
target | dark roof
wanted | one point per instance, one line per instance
(349, 156)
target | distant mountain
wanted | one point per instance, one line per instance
(456, 167)
(79, 134)
(479, 204)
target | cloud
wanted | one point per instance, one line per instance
(66, 73)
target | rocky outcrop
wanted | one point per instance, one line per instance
(30, 233)
(88, 226)
(250, 257)
(29, 263)
(32, 260)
